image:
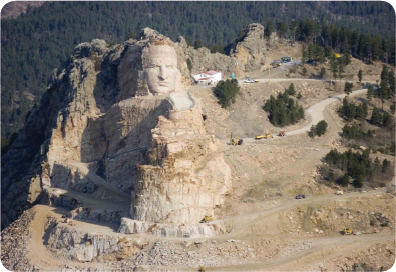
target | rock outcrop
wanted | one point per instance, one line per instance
(186, 177)
(251, 51)
(96, 112)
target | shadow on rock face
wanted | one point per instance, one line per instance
(119, 139)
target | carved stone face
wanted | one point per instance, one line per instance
(160, 69)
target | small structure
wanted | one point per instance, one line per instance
(211, 76)
(204, 81)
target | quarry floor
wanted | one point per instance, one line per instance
(268, 175)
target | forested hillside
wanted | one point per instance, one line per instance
(40, 40)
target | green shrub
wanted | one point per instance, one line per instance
(345, 180)
(189, 64)
(318, 130)
(283, 110)
(321, 128)
(355, 132)
(226, 92)
(291, 90)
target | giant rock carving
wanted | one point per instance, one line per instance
(162, 75)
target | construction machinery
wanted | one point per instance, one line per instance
(347, 231)
(276, 63)
(339, 193)
(236, 141)
(259, 137)
(207, 219)
(282, 134)
(268, 135)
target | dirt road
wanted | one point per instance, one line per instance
(254, 217)
(325, 247)
(38, 253)
(314, 113)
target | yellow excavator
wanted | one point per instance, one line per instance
(266, 136)
(347, 231)
(207, 219)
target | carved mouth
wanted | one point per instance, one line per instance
(164, 84)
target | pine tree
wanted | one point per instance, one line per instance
(321, 128)
(282, 29)
(293, 28)
(291, 90)
(347, 53)
(348, 88)
(304, 54)
(387, 120)
(322, 72)
(370, 92)
(340, 69)
(345, 180)
(358, 183)
(360, 75)
(198, 44)
(376, 117)
(392, 83)
(189, 64)
(333, 66)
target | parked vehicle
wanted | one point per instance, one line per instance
(300, 196)
(276, 63)
(287, 59)
(282, 134)
(249, 80)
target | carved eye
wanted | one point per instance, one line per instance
(169, 66)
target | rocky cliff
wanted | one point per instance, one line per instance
(185, 178)
(96, 112)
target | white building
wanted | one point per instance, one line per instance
(212, 77)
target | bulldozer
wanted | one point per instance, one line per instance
(347, 231)
(207, 219)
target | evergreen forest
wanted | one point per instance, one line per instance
(37, 42)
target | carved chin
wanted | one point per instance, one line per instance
(161, 89)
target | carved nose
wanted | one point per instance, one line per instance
(163, 75)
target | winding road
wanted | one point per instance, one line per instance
(315, 114)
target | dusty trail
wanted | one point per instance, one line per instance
(38, 254)
(324, 247)
(315, 113)
(252, 218)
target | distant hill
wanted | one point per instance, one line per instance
(16, 8)
(35, 43)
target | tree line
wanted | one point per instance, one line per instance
(37, 42)
(359, 166)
